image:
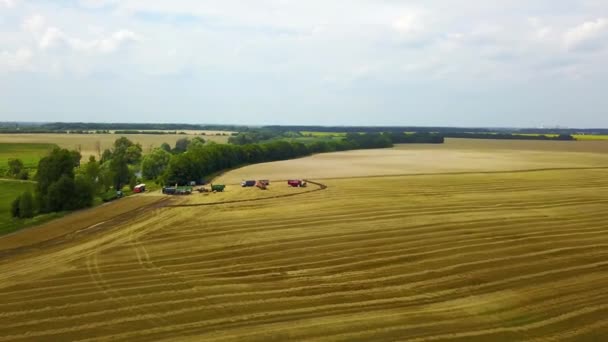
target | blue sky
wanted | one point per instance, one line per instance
(359, 62)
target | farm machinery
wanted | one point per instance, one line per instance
(297, 183)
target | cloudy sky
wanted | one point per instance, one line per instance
(347, 62)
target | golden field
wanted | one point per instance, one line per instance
(475, 253)
(87, 143)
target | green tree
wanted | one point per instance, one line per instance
(92, 169)
(155, 163)
(15, 167)
(125, 153)
(59, 163)
(84, 192)
(132, 182)
(196, 143)
(105, 156)
(23, 175)
(26, 205)
(166, 147)
(181, 145)
(60, 195)
(15, 207)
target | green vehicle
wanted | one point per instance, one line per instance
(218, 187)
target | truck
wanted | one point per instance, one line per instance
(139, 188)
(296, 183)
(248, 183)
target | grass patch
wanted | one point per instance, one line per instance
(10, 191)
(30, 154)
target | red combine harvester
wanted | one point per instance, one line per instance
(296, 183)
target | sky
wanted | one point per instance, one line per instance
(516, 63)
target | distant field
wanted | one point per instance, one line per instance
(324, 134)
(456, 155)
(87, 143)
(590, 137)
(29, 153)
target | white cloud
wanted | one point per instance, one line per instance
(55, 39)
(8, 3)
(34, 23)
(587, 35)
(108, 44)
(14, 61)
(410, 23)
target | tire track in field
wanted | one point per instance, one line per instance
(544, 270)
(190, 205)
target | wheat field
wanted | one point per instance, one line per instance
(469, 256)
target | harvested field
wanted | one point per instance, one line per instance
(483, 256)
(456, 155)
(87, 143)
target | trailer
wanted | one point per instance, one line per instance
(177, 190)
(261, 185)
(169, 190)
(248, 183)
(218, 187)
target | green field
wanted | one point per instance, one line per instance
(590, 137)
(323, 134)
(10, 190)
(30, 154)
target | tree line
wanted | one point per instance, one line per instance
(204, 160)
(65, 184)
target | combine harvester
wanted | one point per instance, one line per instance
(297, 183)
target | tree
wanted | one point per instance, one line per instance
(132, 182)
(26, 205)
(15, 207)
(130, 151)
(125, 153)
(59, 163)
(106, 156)
(84, 192)
(155, 163)
(23, 175)
(165, 147)
(60, 195)
(91, 169)
(196, 142)
(181, 145)
(15, 167)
